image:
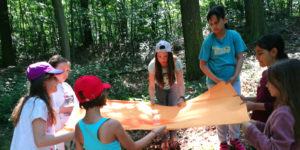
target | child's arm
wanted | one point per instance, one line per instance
(267, 106)
(238, 68)
(255, 106)
(41, 139)
(78, 138)
(245, 99)
(67, 109)
(151, 88)
(180, 85)
(281, 133)
(128, 143)
(205, 69)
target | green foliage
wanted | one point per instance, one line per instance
(122, 78)
(12, 87)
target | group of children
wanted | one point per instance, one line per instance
(44, 110)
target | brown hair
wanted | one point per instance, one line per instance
(57, 59)
(284, 75)
(170, 68)
(37, 90)
(99, 101)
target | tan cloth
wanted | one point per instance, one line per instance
(219, 105)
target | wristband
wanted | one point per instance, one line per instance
(182, 97)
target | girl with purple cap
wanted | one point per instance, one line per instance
(33, 116)
(166, 82)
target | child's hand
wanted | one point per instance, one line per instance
(180, 102)
(152, 102)
(245, 126)
(243, 98)
(232, 80)
(250, 105)
(160, 130)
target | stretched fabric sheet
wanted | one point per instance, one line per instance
(219, 105)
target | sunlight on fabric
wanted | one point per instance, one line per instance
(219, 105)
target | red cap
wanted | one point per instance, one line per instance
(90, 86)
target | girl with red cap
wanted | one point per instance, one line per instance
(96, 132)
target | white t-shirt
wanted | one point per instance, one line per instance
(63, 97)
(151, 69)
(23, 138)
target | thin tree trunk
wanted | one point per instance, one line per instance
(154, 18)
(88, 39)
(101, 42)
(289, 8)
(123, 21)
(23, 33)
(94, 12)
(62, 28)
(169, 16)
(72, 30)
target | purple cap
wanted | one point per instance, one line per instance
(40, 68)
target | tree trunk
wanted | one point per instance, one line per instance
(123, 21)
(255, 20)
(8, 51)
(289, 8)
(192, 33)
(101, 41)
(62, 28)
(154, 18)
(72, 51)
(88, 39)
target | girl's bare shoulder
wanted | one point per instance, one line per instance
(112, 123)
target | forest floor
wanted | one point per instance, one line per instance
(205, 137)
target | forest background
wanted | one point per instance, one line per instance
(115, 40)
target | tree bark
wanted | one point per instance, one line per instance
(192, 33)
(62, 28)
(8, 51)
(88, 39)
(255, 20)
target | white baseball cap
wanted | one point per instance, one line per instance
(163, 46)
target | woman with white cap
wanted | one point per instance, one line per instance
(166, 82)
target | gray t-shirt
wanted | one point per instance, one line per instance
(151, 69)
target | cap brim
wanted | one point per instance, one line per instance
(55, 71)
(106, 86)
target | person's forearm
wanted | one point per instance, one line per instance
(205, 69)
(259, 106)
(145, 140)
(238, 66)
(47, 140)
(67, 109)
(181, 89)
(251, 99)
(151, 90)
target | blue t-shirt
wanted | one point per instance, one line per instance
(220, 55)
